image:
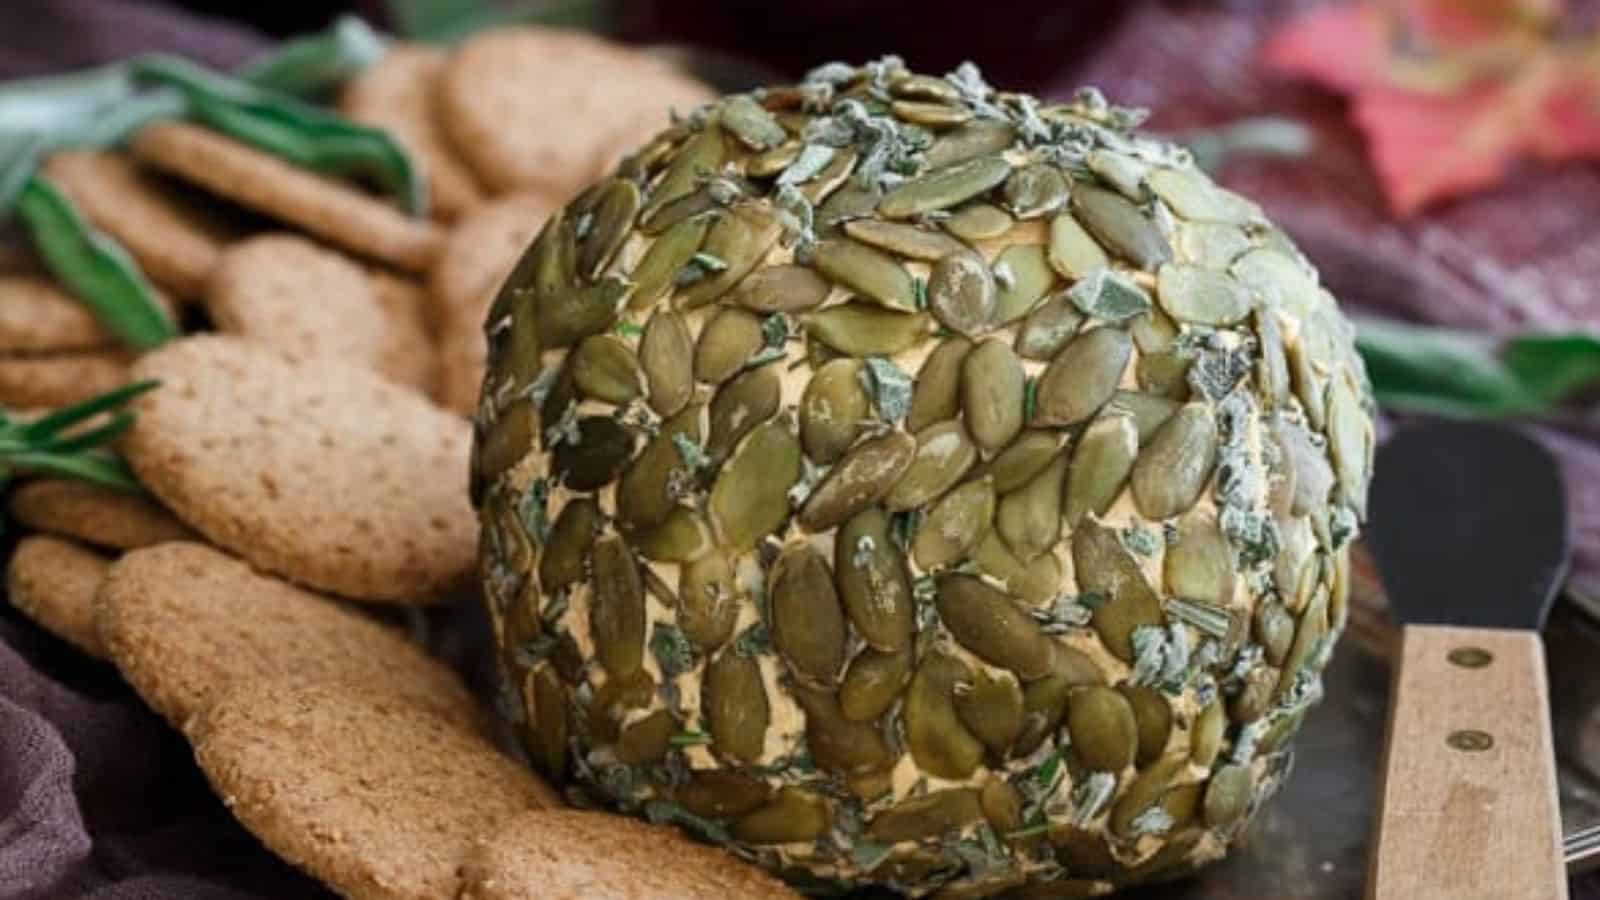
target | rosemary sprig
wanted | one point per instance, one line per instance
(63, 443)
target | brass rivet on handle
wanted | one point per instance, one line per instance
(1470, 657)
(1470, 740)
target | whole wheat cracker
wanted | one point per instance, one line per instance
(59, 379)
(377, 798)
(578, 855)
(290, 292)
(95, 514)
(185, 622)
(333, 211)
(543, 109)
(396, 93)
(38, 316)
(311, 469)
(54, 583)
(410, 347)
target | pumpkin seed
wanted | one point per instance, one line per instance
(1029, 518)
(834, 410)
(1100, 466)
(1122, 172)
(1173, 470)
(744, 118)
(741, 239)
(1082, 377)
(944, 454)
(1104, 733)
(736, 706)
(1200, 566)
(569, 318)
(548, 748)
(699, 156)
(615, 208)
(793, 815)
(985, 621)
(599, 455)
(1143, 792)
(1105, 567)
(939, 743)
(666, 353)
(740, 405)
(991, 708)
(1308, 386)
(931, 115)
(650, 488)
(604, 368)
(1044, 704)
(508, 441)
(808, 625)
(1119, 225)
(567, 550)
(836, 743)
(1278, 280)
(1149, 411)
(1211, 245)
(865, 474)
(1035, 190)
(1048, 328)
(1193, 196)
(1254, 697)
(1181, 803)
(944, 187)
(980, 138)
(817, 189)
(616, 611)
(993, 385)
(872, 683)
(857, 328)
(1201, 295)
(1034, 581)
(704, 204)
(784, 288)
(936, 395)
(1154, 332)
(1205, 738)
(1274, 631)
(846, 204)
(720, 793)
(1028, 278)
(924, 87)
(1165, 374)
(770, 162)
(1272, 368)
(1228, 795)
(548, 266)
(726, 344)
(929, 815)
(979, 222)
(961, 292)
(869, 272)
(1153, 717)
(709, 596)
(1349, 445)
(954, 525)
(872, 581)
(613, 700)
(1308, 636)
(654, 276)
(1073, 252)
(905, 240)
(1021, 460)
(681, 537)
(749, 499)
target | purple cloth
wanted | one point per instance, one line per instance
(100, 799)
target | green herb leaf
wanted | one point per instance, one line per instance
(444, 21)
(104, 470)
(95, 268)
(313, 65)
(51, 424)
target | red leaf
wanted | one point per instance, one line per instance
(1339, 47)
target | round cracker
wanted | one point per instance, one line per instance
(479, 254)
(311, 469)
(295, 294)
(174, 237)
(185, 622)
(54, 582)
(587, 96)
(37, 316)
(94, 514)
(396, 94)
(410, 352)
(377, 798)
(551, 855)
(331, 210)
(60, 379)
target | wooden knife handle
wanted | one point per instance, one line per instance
(1468, 810)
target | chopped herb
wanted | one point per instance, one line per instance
(689, 739)
(1154, 820)
(797, 218)
(1161, 656)
(889, 387)
(1109, 296)
(672, 650)
(1063, 615)
(1030, 397)
(903, 527)
(754, 641)
(1090, 795)
(867, 855)
(1206, 618)
(864, 550)
(919, 287)
(1342, 526)
(534, 511)
(1004, 276)
(629, 329)
(1093, 599)
(1140, 540)
(694, 456)
(665, 812)
(555, 609)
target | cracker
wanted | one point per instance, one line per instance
(577, 855)
(59, 379)
(542, 109)
(410, 352)
(480, 252)
(102, 516)
(174, 237)
(331, 210)
(53, 582)
(375, 797)
(299, 296)
(396, 94)
(185, 622)
(37, 316)
(308, 468)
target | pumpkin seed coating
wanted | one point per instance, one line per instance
(1082, 377)
(937, 394)
(992, 388)
(939, 743)
(872, 581)
(866, 271)
(834, 411)
(1120, 226)
(666, 353)
(616, 616)
(944, 188)
(961, 292)
(750, 497)
(865, 474)
(808, 625)
(736, 706)
(1174, 468)
(1100, 466)
(726, 344)
(985, 621)
(872, 683)
(787, 288)
(909, 241)
(1105, 734)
